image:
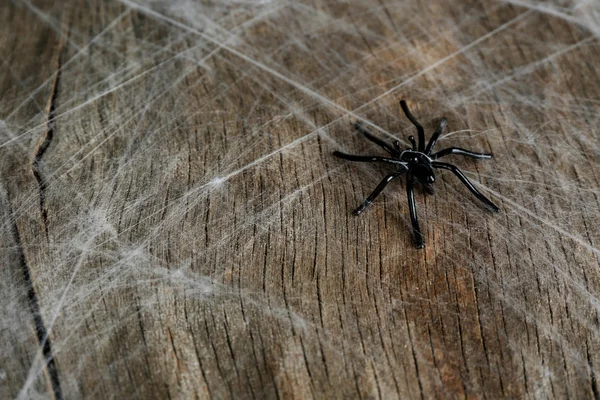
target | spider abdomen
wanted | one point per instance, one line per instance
(423, 173)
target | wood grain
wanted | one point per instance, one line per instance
(174, 219)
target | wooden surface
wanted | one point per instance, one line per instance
(174, 225)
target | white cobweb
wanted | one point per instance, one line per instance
(188, 185)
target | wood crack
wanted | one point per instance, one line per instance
(40, 328)
(43, 146)
(41, 331)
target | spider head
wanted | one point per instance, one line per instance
(423, 173)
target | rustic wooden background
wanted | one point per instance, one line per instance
(174, 225)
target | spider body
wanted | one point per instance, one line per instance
(419, 164)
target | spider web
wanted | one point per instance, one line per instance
(183, 182)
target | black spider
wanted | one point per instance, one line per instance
(419, 163)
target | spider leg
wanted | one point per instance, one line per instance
(467, 183)
(397, 146)
(418, 236)
(416, 123)
(352, 157)
(376, 192)
(436, 135)
(460, 152)
(358, 126)
(411, 139)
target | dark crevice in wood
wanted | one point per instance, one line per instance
(40, 327)
(307, 365)
(197, 351)
(326, 369)
(230, 345)
(414, 357)
(215, 351)
(525, 379)
(43, 146)
(138, 313)
(377, 384)
(356, 384)
(479, 314)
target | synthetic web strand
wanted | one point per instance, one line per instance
(307, 90)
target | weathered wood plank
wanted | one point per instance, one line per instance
(29, 61)
(188, 232)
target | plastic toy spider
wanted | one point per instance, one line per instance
(419, 164)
